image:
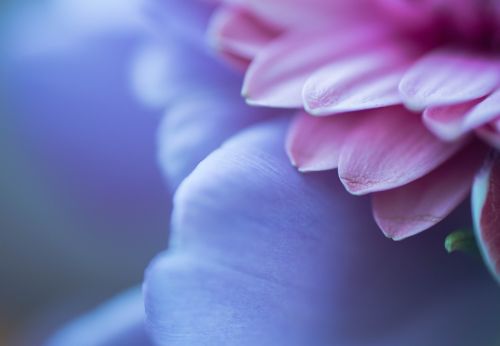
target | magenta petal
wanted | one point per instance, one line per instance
(446, 77)
(484, 112)
(277, 75)
(447, 122)
(314, 144)
(390, 149)
(419, 205)
(485, 211)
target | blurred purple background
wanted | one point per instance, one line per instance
(82, 204)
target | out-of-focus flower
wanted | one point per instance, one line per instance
(354, 65)
(261, 254)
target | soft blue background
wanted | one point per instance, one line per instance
(82, 204)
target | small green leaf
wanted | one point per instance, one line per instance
(461, 240)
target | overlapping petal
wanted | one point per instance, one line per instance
(447, 122)
(363, 79)
(399, 150)
(446, 77)
(238, 35)
(315, 144)
(297, 13)
(419, 205)
(203, 109)
(277, 75)
(264, 255)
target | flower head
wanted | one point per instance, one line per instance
(399, 96)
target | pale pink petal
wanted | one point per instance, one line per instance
(391, 148)
(302, 13)
(486, 213)
(447, 77)
(276, 76)
(419, 205)
(447, 122)
(235, 32)
(360, 80)
(314, 144)
(484, 112)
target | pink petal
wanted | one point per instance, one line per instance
(485, 111)
(390, 149)
(314, 144)
(446, 77)
(485, 211)
(419, 205)
(235, 32)
(276, 76)
(302, 13)
(360, 80)
(447, 122)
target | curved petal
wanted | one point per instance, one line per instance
(360, 80)
(447, 77)
(117, 322)
(191, 130)
(391, 148)
(485, 207)
(296, 13)
(419, 205)
(203, 110)
(235, 32)
(277, 75)
(315, 144)
(264, 255)
(487, 110)
(447, 122)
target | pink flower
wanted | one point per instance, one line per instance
(404, 95)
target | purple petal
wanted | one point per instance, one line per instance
(263, 255)
(204, 109)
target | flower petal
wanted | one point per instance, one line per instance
(315, 144)
(390, 149)
(203, 110)
(446, 77)
(263, 255)
(447, 122)
(360, 80)
(235, 32)
(419, 205)
(293, 13)
(277, 75)
(485, 111)
(485, 209)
